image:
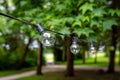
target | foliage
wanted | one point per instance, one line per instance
(9, 60)
(108, 23)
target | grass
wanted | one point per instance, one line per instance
(79, 75)
(10, 72)
(101, 61)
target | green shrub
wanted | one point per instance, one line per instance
(10, 60)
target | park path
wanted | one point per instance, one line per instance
(52, 68)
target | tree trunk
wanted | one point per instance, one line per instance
(24, 55)
(83, 56)
(111, 67)
(64, 53)
(95, 60)
(39, 60)
(70, 56)
(63, 56)
(119, 54)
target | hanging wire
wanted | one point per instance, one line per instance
(38, 26)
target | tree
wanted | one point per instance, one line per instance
(21, 61)
(40, 59)
(70, 56)
(20, 27)
(111, 67)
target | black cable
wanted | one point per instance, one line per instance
(28, 23)
(12, 17)
(38, 26)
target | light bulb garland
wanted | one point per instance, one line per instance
(46, 38)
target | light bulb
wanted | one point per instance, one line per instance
(92, 48)
(75, 48)
(47, 39)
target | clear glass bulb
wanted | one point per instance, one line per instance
(47, 39)
(75, 48)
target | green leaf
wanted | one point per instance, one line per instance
(64, 30)
(85, 31)
(86, 7)
(67, 2)
(111, 12)
(60, 7)
(102, 1)
(77, 23)
(94, 23)
(32, 34)
(86, 18)
(92, 38)
(79, 17)
(118, 12)
(114, 12)
(23, 3)
(107, 24)
(98, 12)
